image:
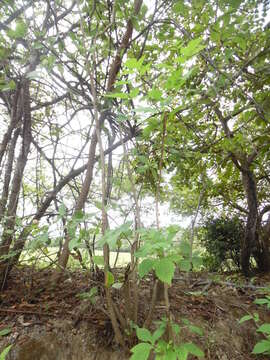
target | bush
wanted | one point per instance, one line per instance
(222, 240)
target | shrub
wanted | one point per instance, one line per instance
(222, 240)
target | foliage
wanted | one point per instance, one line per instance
(222, 238)
(6, 350)
(89, 296)
(262, 346)
(162, 349)
(159, 252)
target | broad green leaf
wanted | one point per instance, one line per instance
(111, 237)
(132, 63)
(193, 48)
(197, 261)
(5, 331)
(261, 347)
(185, 248)
(145, 266)
(144, 335)
(184, 265)
(164, 270)
(181, 352)
(73, 243)
(158, 333)
(155, 94)
(141, 351)
(245, 318)
(109, 279)
(98, 260)
(264, 328)
(20, 30)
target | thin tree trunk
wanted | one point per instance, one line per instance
(9, 224)
(8, 172)
(16, 116)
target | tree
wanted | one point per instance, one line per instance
(214, 85)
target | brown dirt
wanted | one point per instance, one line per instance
(53, 323)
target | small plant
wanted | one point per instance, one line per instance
(91, 295)
(160, 254)
(262, 346)
(4, 353)
(163, 350)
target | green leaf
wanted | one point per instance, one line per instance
(109, 279)
(20, 30)
(193, 48)
(111, 237)
(158, 333)
(155, 94)
(264, 328)
(141, 351)
(194, 349)
(261, 301)
(132, 63)
(164, 269)
(181, 352)
(245, 318)
(144, 335)
(62, 210)
(5, 331)
(176, 328)
(73, 243)
(98, 260)
(169, 354)
(184, 265)
(12, 85)
(5, 352)
(196, 330)
(185, 248)
(145, 266)
(134, 93)
(261, 347)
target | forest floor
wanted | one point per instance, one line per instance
(55, 323)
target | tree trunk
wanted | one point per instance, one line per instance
(9, 224)
(252, 244)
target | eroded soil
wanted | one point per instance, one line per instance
(54, 323)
